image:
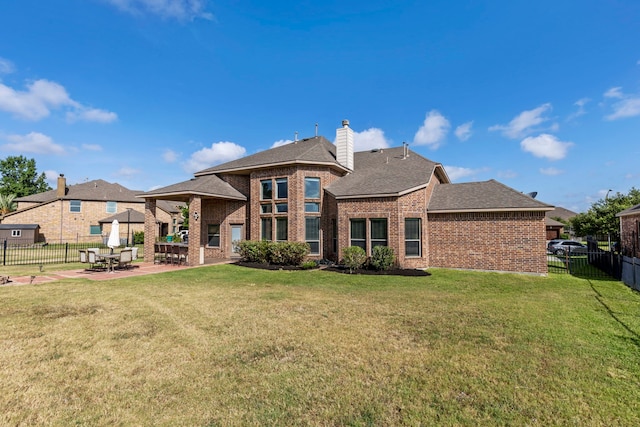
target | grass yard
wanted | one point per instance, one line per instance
(226, 345)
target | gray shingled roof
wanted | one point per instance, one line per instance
(630, 211)
(96, 190)
(481, 196)
(384, 172)
(134, 217)
(560, 212)
(316, 150)
(205, 186)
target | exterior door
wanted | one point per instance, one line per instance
(236, 236)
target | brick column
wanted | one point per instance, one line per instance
(195, 229)
(150, 227)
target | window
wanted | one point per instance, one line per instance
(16, 233)
(213, 235)
(312, 207)
(266, 189)
(75, 205)
(378, 232)
(282, 231)
(95, 229)
(266, 208)
(359, 233)
(312, 188)
(312, 233)
(282, 208)
(112, 207)
(266, 227)
(412, 240)
(282, 188)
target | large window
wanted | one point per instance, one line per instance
(266, 227)
(282, 232)
(213, 235)
(412, 237)
(282, 188)
(312, 188)
(266, 189)
(95, 229)
(378, 232)
(112, 207)
(312, 233)
(75, 205)
(359, 233)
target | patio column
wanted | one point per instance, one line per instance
(150, 228)
(195, 229)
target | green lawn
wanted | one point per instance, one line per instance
(225, 345)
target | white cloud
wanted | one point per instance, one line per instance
(281, 142)
(6, 66)
(629, 107)
(545, 146)
(551, 171)
(92, 115)
(523, 122)
(92, 147)
(219, 152)
(614, 92)
(369, 139)
(433, 130)
(43, 96)
(456, 172)
(463, 132)
(127, 172)
(182, 10)
(33, 142)
(170, 156)
(507, 174)
(580, 103)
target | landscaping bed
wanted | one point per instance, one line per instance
(339, 269)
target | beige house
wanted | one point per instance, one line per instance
(84, 212)
(332, 197)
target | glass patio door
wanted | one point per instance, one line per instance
(236, 236)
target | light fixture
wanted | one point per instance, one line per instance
(195, 216)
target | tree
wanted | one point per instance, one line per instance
(601, 218)
(7, 204)
(20, 177)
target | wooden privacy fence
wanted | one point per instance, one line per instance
(631, 272)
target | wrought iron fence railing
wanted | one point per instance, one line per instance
(24, 252)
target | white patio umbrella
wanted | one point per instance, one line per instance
(114, 236)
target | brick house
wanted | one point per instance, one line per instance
(330, 197)
(77, 212)
(630, 231)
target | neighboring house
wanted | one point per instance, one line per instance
(77, 212)
(630, 231)
(330, 197)
(20, 233)
(554, 227)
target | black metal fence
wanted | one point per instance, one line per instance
(16, 252)
(594, 262)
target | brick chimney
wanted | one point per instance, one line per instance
(62, 186)
(344, 145)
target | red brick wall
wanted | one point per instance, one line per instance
(629, 239)
(499, 241)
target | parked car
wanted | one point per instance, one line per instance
(561, 247)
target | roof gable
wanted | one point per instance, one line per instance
(316, 150)
(384, 172)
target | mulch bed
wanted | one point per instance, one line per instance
(339, 269)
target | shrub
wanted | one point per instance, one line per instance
(382, 258)
(138, 237)
(308, 265)
(354, 257)
(279, 253)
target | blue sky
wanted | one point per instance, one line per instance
(542, 96)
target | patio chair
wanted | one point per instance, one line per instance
(83, 256)
(126, 256)
(94, 261)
